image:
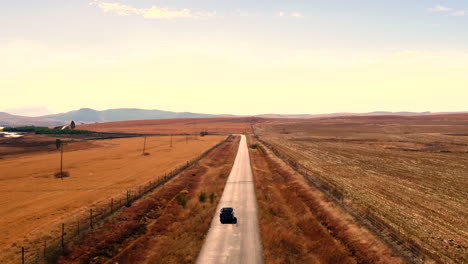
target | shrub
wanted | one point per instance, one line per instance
(253, 146)
(202, 197)
(212, 197)
(181, 199)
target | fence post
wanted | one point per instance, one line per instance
(112, 206)
(22, 255)
(45, 251)
(128, 197)
(78, 226)
(91, 218)
(63, 234)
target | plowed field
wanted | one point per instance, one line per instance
(410, 172)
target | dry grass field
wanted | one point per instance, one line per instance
(299, 225)
(176, 126)
(410, 172)
(33, 201)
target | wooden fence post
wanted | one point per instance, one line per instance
(45, 251)
(78, 226)
(22, 255)
(91, 218)
(112, 206)
(63, 234)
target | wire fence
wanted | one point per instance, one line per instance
(393, 235)
(71, 232)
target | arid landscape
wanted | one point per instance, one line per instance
(407, 173)
(34, 203)
(221, 132)
(177, 126)
(390, 189)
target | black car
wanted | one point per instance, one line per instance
(226, 216)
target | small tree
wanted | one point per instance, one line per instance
(72, 124)
(58, 143)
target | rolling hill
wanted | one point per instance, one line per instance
(88, 115)
(14, 120)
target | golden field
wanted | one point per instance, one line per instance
(33, 201)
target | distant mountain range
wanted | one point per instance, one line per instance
(88, 115)
(7, 120)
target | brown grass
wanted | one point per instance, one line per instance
(176, 126)
(158, 229)
(298, 225)
(407, 173)
(33, 203)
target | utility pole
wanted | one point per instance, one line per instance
(144, 146)
(61, 162)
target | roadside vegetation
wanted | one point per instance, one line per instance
(48, 131)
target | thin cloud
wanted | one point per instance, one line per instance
(295, 14)
(242, 13)
(439, 8)
(458, 13)
(164, 13)
(119, 9)
(154, 12)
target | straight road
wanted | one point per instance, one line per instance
(235, 243)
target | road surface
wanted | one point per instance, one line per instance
(235, 243)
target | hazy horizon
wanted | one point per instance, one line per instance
(240, 58)
(31, 111)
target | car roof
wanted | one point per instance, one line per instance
(227, 209)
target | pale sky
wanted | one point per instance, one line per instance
(234, 57)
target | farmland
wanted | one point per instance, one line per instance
(33, 201)
(409, 172)
(301, 225)
(176, 126)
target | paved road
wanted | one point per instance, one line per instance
(239, 243)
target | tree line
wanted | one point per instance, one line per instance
(46, 130)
